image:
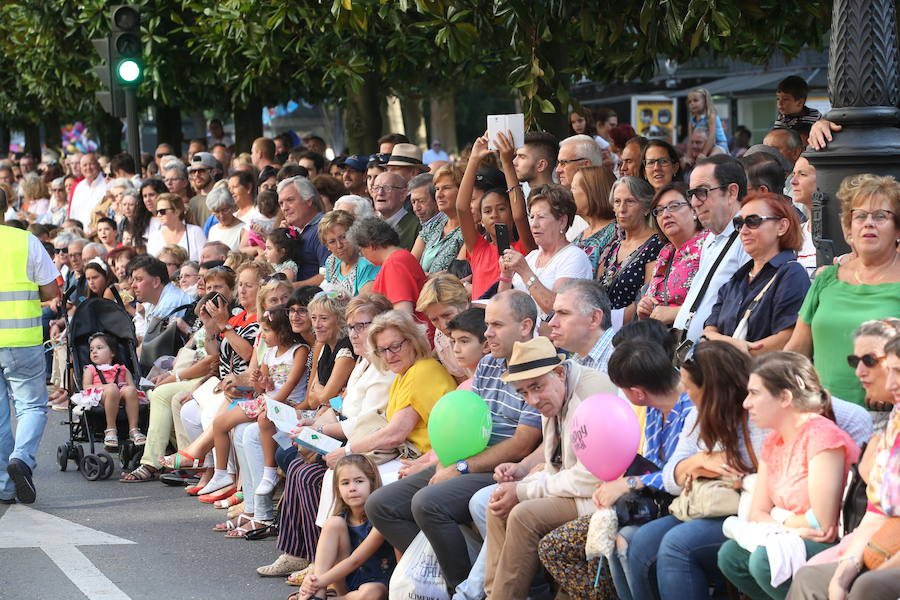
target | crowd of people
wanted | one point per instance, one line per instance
(360, 291)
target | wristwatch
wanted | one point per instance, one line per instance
(228, 327)
(631, 482)
(531, 281)
(462, 466)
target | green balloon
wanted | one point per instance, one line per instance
(459, 426)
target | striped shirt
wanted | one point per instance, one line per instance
(508, 409)
(598, 357)
(661, 437)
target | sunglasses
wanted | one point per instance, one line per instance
(870, 360)
(161, 211)
(752, 221)
(274, 277)
(701, 192)
(60, 251)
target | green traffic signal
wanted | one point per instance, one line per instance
(129, 71)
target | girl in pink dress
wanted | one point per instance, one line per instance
(111, 385)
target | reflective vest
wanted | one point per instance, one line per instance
(20, 302)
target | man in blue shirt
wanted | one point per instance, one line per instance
(435, 499)
(302, 209)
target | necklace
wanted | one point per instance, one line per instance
(883, 274)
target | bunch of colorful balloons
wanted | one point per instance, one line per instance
(76, 138)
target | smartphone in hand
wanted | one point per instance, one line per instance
(502, 234)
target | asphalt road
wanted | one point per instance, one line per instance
(175, 555)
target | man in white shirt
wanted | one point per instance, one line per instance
(89, 192)
(718, 184)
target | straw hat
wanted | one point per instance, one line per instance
(405, 155)
(536, 357)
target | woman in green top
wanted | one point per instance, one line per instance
(863, 288)
(440, 239)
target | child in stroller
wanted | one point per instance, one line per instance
(111, 384)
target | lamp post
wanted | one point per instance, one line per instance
(864, 85)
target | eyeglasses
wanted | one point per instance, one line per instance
(60, 251)
(358, 328)
(880, 217)
(161, 211)
(663, 162)
(274, 277)
(660, 210)
(297, 311)
(566, 161)
(701, 192)
(341, 239)
(379, 188)
(870, 360)
(752, 221)
(393, 348)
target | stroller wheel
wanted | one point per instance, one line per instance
(62, 456)
(91, 467)
(108, 465)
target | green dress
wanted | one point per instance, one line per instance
(834, 309)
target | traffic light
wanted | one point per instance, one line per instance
(122, 53)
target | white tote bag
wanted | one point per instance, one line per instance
(418, 574)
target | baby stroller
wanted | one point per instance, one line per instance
(91, 316)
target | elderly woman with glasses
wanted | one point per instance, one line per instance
(172, 213)
(59, 204)
(628, 262)
(757, 308)
(678, 260)
(367, 392)
(344, 267)
(228, 228)
(862, 288)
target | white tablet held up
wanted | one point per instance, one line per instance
(514, 124)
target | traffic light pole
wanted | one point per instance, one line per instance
(133, 124)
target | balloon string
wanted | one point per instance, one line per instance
(599, 567)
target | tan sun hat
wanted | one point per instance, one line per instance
(405, 155)
(536, 357)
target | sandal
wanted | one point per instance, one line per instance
(283, 565)
(250, 527)
(183, 461)
(262, 533)
(140, 475)
(235, 498)
(111, 439)
(297, 577)
(137, 437)
(233, 523)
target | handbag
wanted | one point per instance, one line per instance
(709, 498)
(373, 421)
(740, 331)
(683, 344)
(883, 545)
(643, 505)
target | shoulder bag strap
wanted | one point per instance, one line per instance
(758, 298)
(712, 271)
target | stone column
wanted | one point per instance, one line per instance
(864, 85)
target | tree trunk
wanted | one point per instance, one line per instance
(363, 123)
(443, 122)
(109, 132)
(248, 125)
(414, 119)
(5, 135)
(395, 115)
(52, 134)
(168, 127)
(33, 140)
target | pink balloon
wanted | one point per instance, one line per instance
(606, 435)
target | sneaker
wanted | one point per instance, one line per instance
(21, 476)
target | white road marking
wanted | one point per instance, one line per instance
(23, 527)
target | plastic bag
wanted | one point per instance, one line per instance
(418, 574)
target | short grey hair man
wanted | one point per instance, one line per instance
(121, 182)
(357, 205)
(585, 147)
(305, 188)
(420, 180)
(174, 165)
(94, 249)
(219, 198)
(580, 322)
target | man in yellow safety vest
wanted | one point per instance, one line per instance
(27, 277)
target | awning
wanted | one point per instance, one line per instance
(747, 83)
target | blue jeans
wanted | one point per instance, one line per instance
(473, 587)
(668, 558)
(618, 564)
(22, 380)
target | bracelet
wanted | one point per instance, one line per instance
(509, 189)
(506, 279)
(811, 520)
